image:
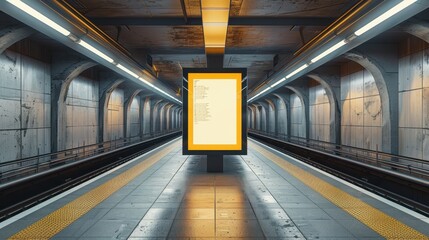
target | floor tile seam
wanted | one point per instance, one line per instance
(368, 205)
(282, 170)
(97, 183)
(151, 206)
(143, 166)
(75, 189)
(248, 166)
(354, 192)
(328, 179)
(165, 161)
(279, 172)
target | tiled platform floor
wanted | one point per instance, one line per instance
(253, 199)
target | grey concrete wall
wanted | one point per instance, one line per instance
(249, 125)
(414, 99)
(146, 116)
(82, 113)
(181, 118)
(297, 116)
(281, 117)
(134, 117)
(320, 119)
(258, 119)
(25, 88)
(115, 115)
(361, 123)
(271, 119)
(252, 115)
(163, 118)
(263, 115)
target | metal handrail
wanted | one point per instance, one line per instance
(19, 168)
(407, 165)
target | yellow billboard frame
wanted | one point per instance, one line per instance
(218, 76)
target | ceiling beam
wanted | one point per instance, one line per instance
(233, 21)
(228, 50)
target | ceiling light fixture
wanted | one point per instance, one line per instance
(37, 15)
(278, 82)
(96, 51)
(328, 51)
(42, 18)
(297, 71)
(394, 10)
(215, 15)
(127, 70)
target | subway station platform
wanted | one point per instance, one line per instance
(263, 195)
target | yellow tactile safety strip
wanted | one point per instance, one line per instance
(58, 220)
(385, 225)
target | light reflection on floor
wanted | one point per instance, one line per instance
(212, 205)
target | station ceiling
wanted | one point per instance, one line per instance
(170, 31)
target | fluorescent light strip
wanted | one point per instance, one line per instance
(96, 51)
(281, 80)
(127, 70)
(37, 15)
(399, 7)
(394, 10)
(278, 82)
(257, 95)
(330, 50)
(297, 70)
(34, 13)
(158, 89)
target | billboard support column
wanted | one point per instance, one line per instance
(214, 162)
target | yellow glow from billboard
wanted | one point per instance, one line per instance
(214, 111)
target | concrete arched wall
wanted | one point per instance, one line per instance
(282, 115)
(25, 104)
(156, 116)
(114, 128)
(319, 113)
(263, 113)
(69, 129)
(249, 118)
(133, 115)
(271, 116)
(147, 113)
(369, 106)
(258, 117)
(180, 118)
(333, 115)
(298, 114)
(413, 92)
